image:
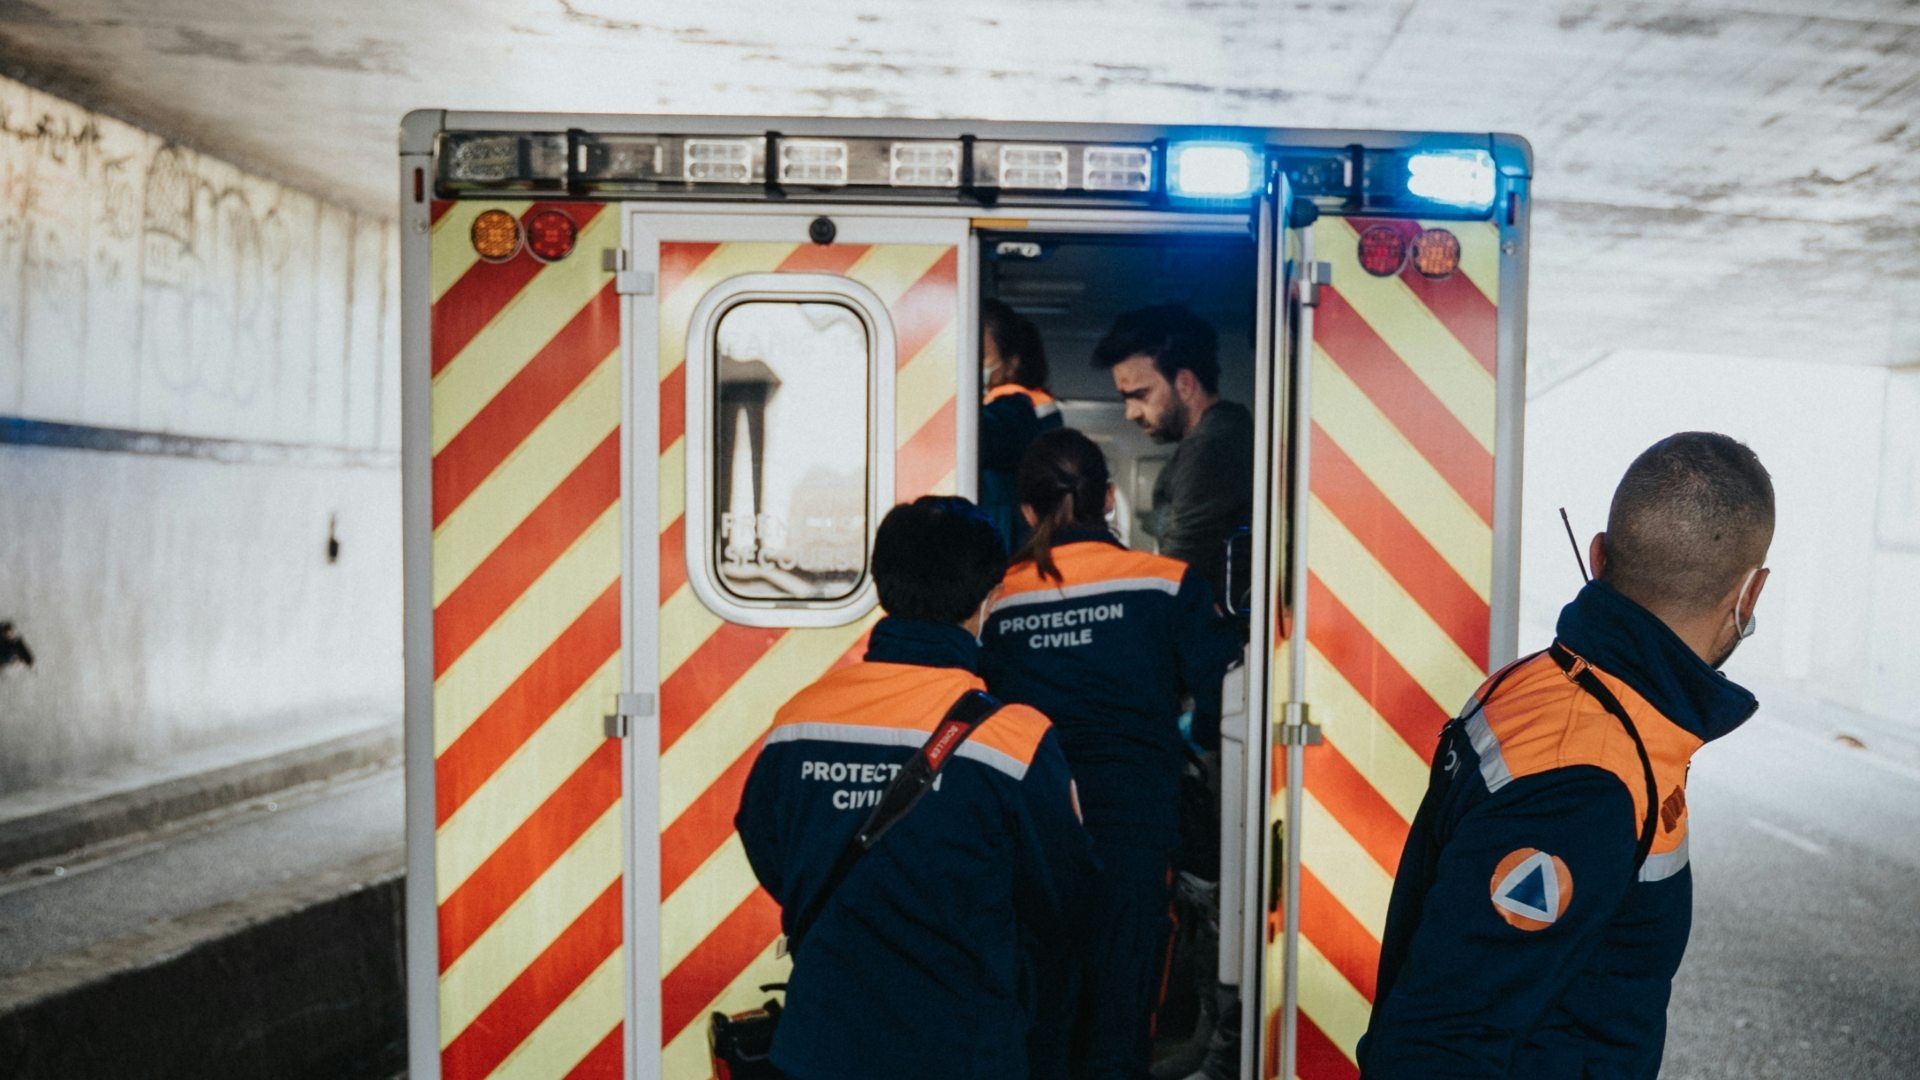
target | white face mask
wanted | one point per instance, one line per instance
(1745, 630)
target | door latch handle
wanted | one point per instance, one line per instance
(627, 710)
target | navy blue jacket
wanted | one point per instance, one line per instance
(1011, 417)
(1521, 940)
(1107, 653)
(921, 964)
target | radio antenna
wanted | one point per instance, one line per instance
(1575, 544)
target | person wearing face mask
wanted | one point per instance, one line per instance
(1544, 896)
(1015, 410)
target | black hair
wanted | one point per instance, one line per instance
(936, 558)
(1169, 334)
(1016, 337)
(1692, 515)
(1063, 480)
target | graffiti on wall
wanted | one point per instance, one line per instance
(143, 285)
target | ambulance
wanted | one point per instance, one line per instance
(663, 376)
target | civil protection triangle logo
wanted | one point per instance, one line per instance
(1531, 889)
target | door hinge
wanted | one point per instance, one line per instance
(627, 710)
(1318, 274)
(626, 280)
(1294, 729)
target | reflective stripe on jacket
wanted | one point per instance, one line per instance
(921, 963)
(1107, 653)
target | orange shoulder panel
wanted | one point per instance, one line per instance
(879, 695)
(1543, 720)
(1006, 390)
(1088, 561)
(1015, 731)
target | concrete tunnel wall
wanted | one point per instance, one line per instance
(177, 591)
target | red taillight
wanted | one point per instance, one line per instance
(1383, 251)
(1436, 253)
(496, 235)
(550, 235)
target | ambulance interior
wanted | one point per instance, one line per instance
(1073, 286)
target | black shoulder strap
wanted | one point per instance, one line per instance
(912, 782)
(1582, 674)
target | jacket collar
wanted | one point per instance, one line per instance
(1080, 534)
(1630, 643)
(927, 644)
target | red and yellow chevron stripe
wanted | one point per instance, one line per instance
(720, 683)
(526, 629)
(1400, 561)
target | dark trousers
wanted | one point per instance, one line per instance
(1123, 956)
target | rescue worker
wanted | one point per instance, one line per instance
(1016, 410)
(920, 963)
(1544, 898)
(1165, 364)
(1106, 641)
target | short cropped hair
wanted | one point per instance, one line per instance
(1015, 335)
(1692, 515)
(1169, 334)
(936, 558)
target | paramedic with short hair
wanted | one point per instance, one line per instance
(1165, 364)
(919, 964)
(1544, 898)
(1016, 409)
(1105, 641)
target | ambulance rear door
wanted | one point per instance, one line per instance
(1395, 560)
(790, 377)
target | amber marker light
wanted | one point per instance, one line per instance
(1436, 254)
(496, 235)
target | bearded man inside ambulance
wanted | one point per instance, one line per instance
(1544, 898)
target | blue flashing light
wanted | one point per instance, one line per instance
(1454, 177)
(1213, 170)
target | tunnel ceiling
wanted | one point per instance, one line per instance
(1721, 179)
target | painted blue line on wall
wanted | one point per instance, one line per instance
(22, 431)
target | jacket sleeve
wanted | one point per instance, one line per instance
(1522, 893)
(1007, 425)
(1054, 864)
(1204, 646)
(758, 824)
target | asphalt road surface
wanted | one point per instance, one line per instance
(1804, 963)
(1805, 958)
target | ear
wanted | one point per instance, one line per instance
(1109, 508)
(1752, 599)
(1033, 519)
(1597, 555)
(1186, 385)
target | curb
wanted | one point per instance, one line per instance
(55, 832)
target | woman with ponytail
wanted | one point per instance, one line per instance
(1107, 642)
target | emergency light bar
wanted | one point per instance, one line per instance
(1215, 170)
(581, 163)
(1453, 183)
(1446, 180)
